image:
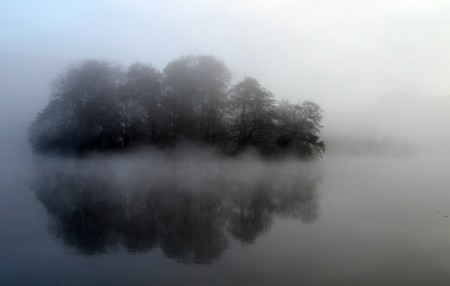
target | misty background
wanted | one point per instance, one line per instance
(379, 69)
(373, 211)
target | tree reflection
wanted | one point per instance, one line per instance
(95, 212)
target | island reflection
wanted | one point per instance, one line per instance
(188, 209)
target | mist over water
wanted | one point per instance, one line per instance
(142, 215)
(373, 209)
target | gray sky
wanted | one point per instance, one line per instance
(342, 54)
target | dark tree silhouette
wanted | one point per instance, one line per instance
(140, 102)
(196, 93)
(83, 113)
(252, 114)
(213, 81)
(96, 106)
(180, 98)
(299, 127)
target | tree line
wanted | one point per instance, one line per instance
(96, 105)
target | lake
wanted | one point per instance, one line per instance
(162, 219)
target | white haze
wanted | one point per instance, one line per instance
(187, 167)
(380, 69)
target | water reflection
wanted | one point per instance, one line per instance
(190, 214)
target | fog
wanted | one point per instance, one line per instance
(379, 69)
(372, 210)
(400, 124)
(396, 124)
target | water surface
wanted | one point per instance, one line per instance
(165, 220)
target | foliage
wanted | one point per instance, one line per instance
(83, 113)
(98, 106)
(298, 128)
(252, 114)
(196, 93)
(140, 105)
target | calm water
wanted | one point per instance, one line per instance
(160, 220)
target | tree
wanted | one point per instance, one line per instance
(195, 95)
(299, 127)
(96, 106)
(213, 81)
(83, 114)
(252, 111)
(140, 102)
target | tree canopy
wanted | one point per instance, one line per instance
(96, 105)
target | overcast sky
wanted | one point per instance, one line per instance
(341, 54)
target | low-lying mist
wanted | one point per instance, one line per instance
(188, 202)
(398, 125)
